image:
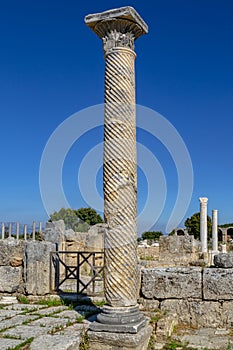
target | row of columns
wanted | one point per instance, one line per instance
(17, 231)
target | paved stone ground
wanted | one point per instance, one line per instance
(200, 339)
(40, 327)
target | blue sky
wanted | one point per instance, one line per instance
(52, 66)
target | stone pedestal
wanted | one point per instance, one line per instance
(118, 29)
(203, 223)
(123, 341)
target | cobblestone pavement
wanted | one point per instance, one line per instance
(40, 327)
(200, 339)
(44, 327)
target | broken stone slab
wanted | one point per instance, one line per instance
(54, 342)
(10, 279)
(37, 267)
(224, 260)
(11, 252)
(217, 284)
(173, 282)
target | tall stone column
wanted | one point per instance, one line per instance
(203, 223)
(215, 231)
(118, 29)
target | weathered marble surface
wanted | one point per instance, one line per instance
(37, 267)
(217, 284)
(10, 279)
(11, 251)
(224, 260)
(173, 282)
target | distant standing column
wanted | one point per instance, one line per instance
(215, 230)
(203, 223)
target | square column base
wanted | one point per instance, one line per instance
(120, 341)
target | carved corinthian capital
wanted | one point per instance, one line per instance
(118, 27)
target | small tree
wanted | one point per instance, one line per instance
(77, 220)
(193, 225)
(152, 235)
(89, 216)
(69, 217)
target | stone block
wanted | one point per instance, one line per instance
(55, 232)
(195, 313)
(227, 314)
(180, 308)
(206, 314)
(173, 282)
(178, 244)
(37, 267)
(10, 279)
(70, 235)
(224, 260)
(114, 341)
(95, 238)
(11, 252)
(217, 284)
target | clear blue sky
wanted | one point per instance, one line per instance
(52, 66)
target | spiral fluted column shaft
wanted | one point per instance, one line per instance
(119, 28)
(120, 179)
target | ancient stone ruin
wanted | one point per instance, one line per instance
(164, 290)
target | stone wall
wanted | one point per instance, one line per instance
(172, 251)
(190, 296)
(24, 267)
(11, 265)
